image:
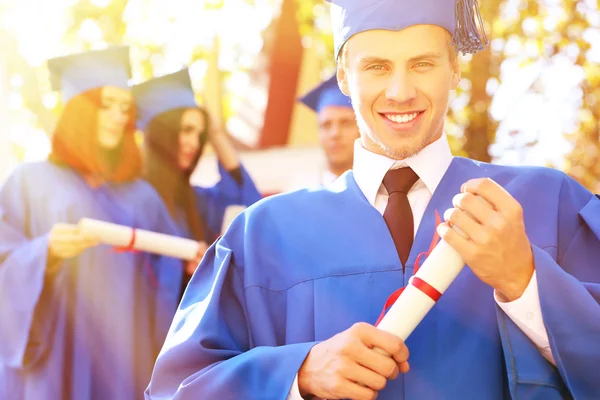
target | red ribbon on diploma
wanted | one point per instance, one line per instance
(425, 287)
(130, 249)
(419, 283)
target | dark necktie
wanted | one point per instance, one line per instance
(398, 214)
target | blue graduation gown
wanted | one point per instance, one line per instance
(92, 329)
(299, 268)
(213, 201)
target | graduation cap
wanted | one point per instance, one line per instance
(78, 73)
(326, 94)
(162, 94)
(459, 17)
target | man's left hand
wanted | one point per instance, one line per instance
(486, 228)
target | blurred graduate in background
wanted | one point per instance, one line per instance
(79, 320)
(176, 130)
(337, 127)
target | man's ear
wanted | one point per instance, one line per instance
(456, 74)
(342, 78)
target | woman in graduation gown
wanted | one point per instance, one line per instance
(175, 131)
(80, 320)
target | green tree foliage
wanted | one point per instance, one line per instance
(540, 29)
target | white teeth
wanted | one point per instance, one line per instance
(404, 118)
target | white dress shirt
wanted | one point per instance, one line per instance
(430, 165)
(328, 177)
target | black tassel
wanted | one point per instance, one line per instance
(467, 38)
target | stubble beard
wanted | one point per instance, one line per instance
(390, 152)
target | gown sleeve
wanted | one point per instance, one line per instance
(568, 278)
(24, 282)
(209, 352)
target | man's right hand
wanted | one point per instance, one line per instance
(348, 366)
(67, 241)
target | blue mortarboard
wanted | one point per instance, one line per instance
(162, 94)
(78, 73)
(326, 94)
(459, 17)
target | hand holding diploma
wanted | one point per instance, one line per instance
(139, 239)
(484, 230)
(494, 244)
(68, 241)
(348, 366)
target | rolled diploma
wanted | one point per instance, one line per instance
(440, 268)
(147, 241)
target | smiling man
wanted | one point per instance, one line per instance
(400, 93)
(300, 278)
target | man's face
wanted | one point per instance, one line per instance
(337, 133)
(399, 83)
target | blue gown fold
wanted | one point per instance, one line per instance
(213, 201)
(91, 326)
(298, 268)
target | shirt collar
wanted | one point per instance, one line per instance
(430, 164)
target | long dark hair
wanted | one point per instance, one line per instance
(74, 142)
(161, 169)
